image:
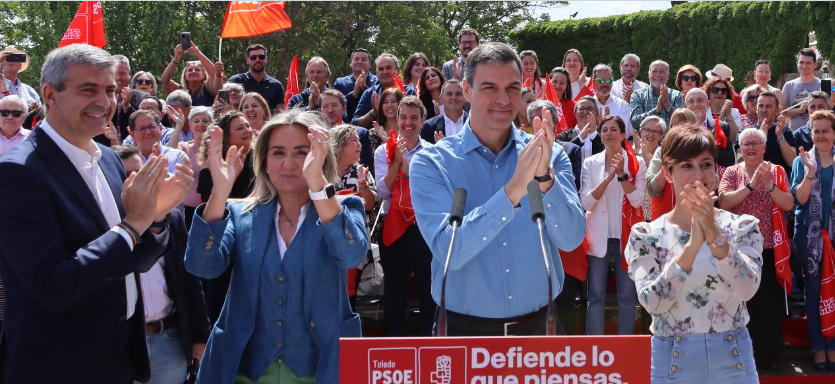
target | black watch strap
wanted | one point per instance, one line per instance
(545, 178)
(750, 188)
(162, 224)
(624, 178)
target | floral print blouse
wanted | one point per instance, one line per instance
(711, 298)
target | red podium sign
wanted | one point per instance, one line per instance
(496, 360)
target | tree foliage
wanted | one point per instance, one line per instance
(700, 33)
(147, 31)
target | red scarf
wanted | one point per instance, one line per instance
(665, 203)
(527, 83)
(827, 303)
(587, 90)
(781, 238)
(401, 215)
(398, 82)
(575, 262)
(629, 215)
(721, 140)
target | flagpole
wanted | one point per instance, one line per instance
(219, 45)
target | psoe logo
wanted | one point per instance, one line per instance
(392, 365)
(442, 365)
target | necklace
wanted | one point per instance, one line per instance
(287, 219)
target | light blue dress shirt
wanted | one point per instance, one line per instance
(27, 93)
(497, 269)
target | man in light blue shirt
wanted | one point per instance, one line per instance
(497, 283)
(13, 84)
(145, 129)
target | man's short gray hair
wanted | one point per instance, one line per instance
(631, 56)
(817, 95)
(15, 99)
(498, 53)
(122, 59)
(588, 98)
(387, 55)
(179, 97)
(602, 68)
(540, 104)
(659, 62)
(55, 69)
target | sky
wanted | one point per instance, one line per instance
(604, 8)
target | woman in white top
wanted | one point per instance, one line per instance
(606, 178)
(694, 269)
(573, 62)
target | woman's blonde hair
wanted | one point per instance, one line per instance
(264, 191)
(260, 99)
(184, 83)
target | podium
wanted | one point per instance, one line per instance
(496, 360)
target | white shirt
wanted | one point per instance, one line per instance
(87, 164)
(155, 297)
(618, 107)
(282, 246)
(453, 127)
(617, 87)
(586, 149)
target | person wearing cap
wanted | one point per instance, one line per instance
(725, 72)
(13, 85)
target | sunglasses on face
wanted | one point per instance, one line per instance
(604, 81)
(752, 97)
(150, 128)
(690, 78)
(143, 82)
(718, 90)
(257, 57)
(5, 113)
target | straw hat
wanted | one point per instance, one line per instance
(12, 49)
(721, 70)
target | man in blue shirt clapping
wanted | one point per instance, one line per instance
(497, 283)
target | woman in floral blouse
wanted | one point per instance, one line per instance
(752, 188)
(694, 269)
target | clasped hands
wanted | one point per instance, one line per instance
(534, 160)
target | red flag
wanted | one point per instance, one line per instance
(398, 82)
(292, 81)
(588, 90)
(527, 83)
(781, 238)
(253, 18)
(550, 94)
(629, 215)
(827, 300)
(87, 27)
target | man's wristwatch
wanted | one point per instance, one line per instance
(624, 178)
(545, 178)
(327, 193)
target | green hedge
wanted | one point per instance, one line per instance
(701, 33)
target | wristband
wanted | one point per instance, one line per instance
(773, 185)
(134, 234)
(750, 188)
(782, 139)
(162, 224)
(6, 93)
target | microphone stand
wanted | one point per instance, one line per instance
(456, 216)
(538, 215)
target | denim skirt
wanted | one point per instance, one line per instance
(704, 358)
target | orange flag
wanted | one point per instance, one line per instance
(399, 83)
(292, 80)
(253, 18)
(550, 94)
(87, 27)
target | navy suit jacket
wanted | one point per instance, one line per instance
(366, 154)
(435, 124)
(64, 272)
(185, 289)
(346, 84)
(575, 155)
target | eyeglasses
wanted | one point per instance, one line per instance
(150, 128)
(751, 144)
(257, 57)
(235, 91)
(651, 132)
(143, 82)
(586, 109)
(690, 78)
(5, 113)
(752, 97)
(718, 90)
(604, 81)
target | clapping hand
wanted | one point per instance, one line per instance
(359, 85)
(314, 94)
(126, 93)
(362, 178)
(223, 171)
(402, 149)
(315, 160)
(175, 115)
(808, 161)
(174, 189)
(110, 134)
(545, 124)
(526, 167)
(375, 104)
(140, 193)
(699, 201)
(380, 131)
(456, 68)
(616, 166)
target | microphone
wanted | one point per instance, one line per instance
(456, 216)
(538, 216)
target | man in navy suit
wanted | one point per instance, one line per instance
(74, 234)
(353, 85)
(333, 108)
(452, 120)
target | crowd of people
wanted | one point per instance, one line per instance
(214, 234)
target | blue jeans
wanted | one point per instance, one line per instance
(627, 296)
(168, 363)
(811, 294)
(704, 358)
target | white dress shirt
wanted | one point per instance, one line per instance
(282, 246)
(618, 107)
(617, 87)
(86, 161)
(453, 127)
(155, 296)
